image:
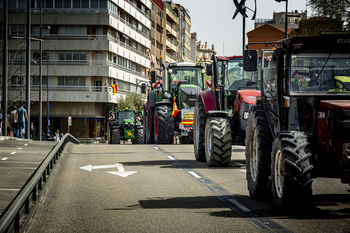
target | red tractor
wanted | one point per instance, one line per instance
(221, 112)
(299, 129)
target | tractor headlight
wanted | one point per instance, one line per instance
(170, 71)
(346, 147)
(245, 115)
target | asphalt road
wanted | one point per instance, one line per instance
(19, 158)
(161, 188)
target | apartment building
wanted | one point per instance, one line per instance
(158, 35)
(91, 44)
(87, 46)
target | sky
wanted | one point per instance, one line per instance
(212, 20)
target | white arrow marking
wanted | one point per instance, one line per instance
(90, 167)
(121, 171)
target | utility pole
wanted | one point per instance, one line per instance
(27, 128)
(5, 69)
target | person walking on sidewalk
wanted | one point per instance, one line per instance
(32, 130)
(21, 118)
(13, 122)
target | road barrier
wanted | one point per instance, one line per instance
(17, 215)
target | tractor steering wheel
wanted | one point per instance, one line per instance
(330, 85)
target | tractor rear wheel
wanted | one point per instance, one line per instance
(116, 136)
(291, 170)
(139, 136)
(258, 154)
(164, 125)
(218, 141)
(198, 131)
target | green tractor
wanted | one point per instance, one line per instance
(169, 109)
(123, 125)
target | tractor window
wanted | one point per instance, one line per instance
(186, 75)
(320, 73)
(126, 115)
(235, 77)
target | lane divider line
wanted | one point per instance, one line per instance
(195, 175)
(242, 207)
(5, 158)
(12, 153)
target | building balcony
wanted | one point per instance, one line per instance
(95, 94)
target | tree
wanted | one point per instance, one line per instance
(132, 101)
(336, 9)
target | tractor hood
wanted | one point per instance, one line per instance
(248, 96)
(335, 104)
(189, 94)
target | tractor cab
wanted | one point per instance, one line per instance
(186, 81)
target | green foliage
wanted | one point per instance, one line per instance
(132, 101)
(336, 9)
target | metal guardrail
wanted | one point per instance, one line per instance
(17, 215)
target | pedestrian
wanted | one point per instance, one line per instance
(21, 118)
(13, 122)
(32, 130)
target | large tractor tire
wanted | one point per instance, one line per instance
(187, 139)
(199, 129)
(149, 125)
(164, 125)
(291, 171)
(258, 154)
(218, 141)
(116, 136)
(139, 136)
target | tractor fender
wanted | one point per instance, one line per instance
(151, 100)
(208, 100)
(246, 96)
(215, 113)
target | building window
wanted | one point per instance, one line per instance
(71, 81)
(70, 56)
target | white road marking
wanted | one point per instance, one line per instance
(25, 144)
(20, 148)
(170, 157)
(90, 167)
(9, 189)
(12, 153)
(195, 175)
(241, 170)
(5, 158)
(121, 171)
(239, 205)
(156, 148)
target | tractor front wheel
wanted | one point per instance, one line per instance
(116, 136)
(139, 136)
(164, 125)
(258, 154)
(198, 131)
(291, 170)
(218, 141)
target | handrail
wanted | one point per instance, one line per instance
(13, 213)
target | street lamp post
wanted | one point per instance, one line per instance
(286, 23)
(48, 105)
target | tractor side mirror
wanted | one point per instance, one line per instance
(143, 88)
(153, 76)
(250, 60)
(209, 69)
